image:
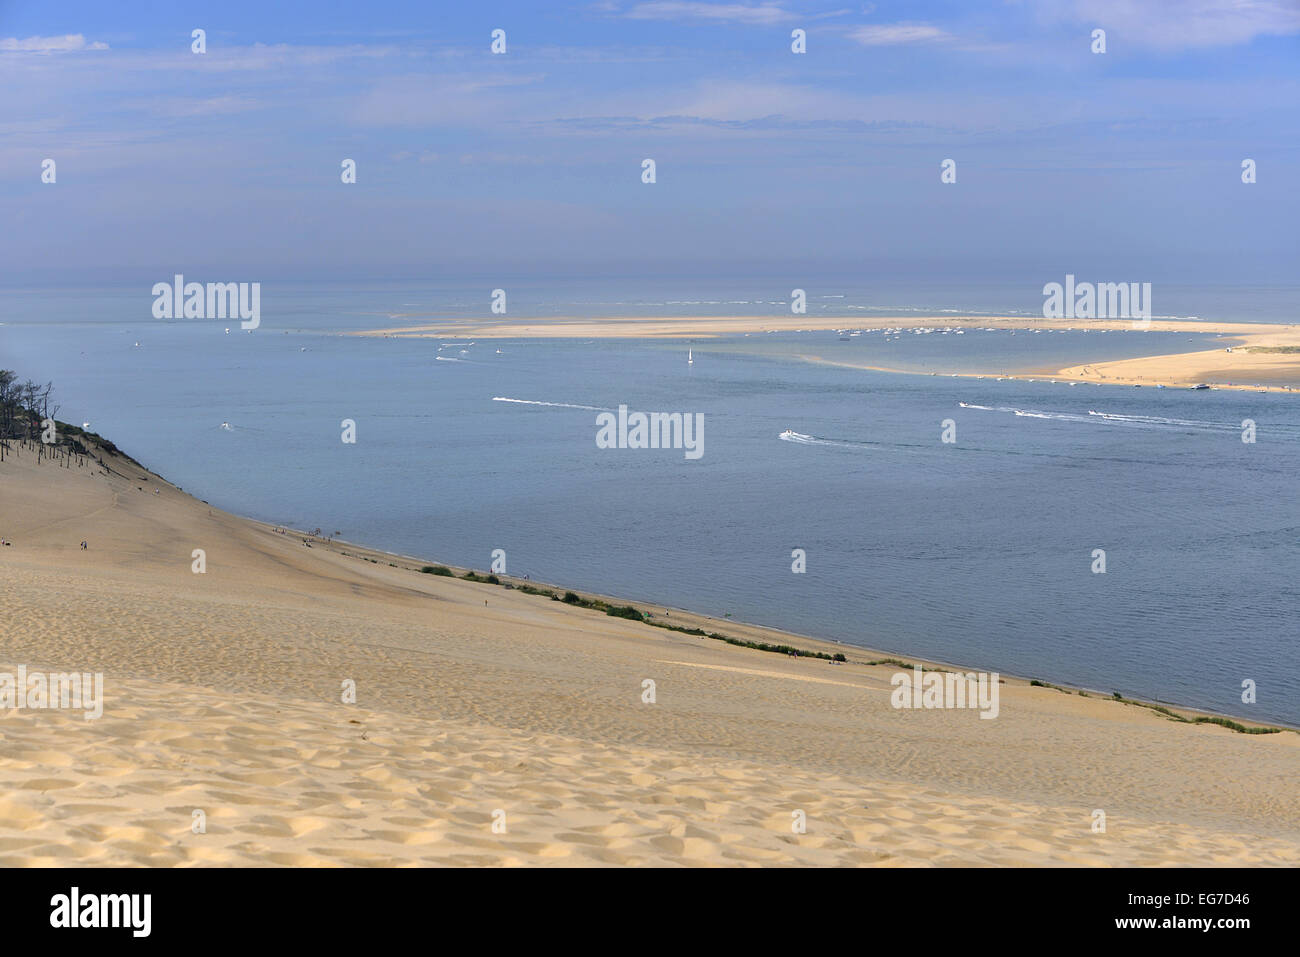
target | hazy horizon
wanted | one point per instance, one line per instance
(1125, 165)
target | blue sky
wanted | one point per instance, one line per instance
(1123, 165)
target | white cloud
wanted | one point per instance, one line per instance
(201, 106)
(427, 99)
(69, 43)
(762, 13)
(1175, 24)
(897, 33)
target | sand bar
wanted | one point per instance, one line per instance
(1253, 356)
(703, 327)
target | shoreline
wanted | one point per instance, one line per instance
(741, 630)
(752, 631)
(649, 327)
(747, 630)
(222, 692)
(1258, 350)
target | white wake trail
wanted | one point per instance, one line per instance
(1114, 418)
(553, 405)
(800, 438)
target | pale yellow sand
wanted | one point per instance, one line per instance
(223, 695)
(703, 327)
(1242, 368)
(1247, 366)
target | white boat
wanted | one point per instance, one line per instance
(690, 358)
(787, 434)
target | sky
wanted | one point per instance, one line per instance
(1123, 166)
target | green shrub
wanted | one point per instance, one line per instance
(625, 611)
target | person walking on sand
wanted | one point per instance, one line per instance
(83, 545)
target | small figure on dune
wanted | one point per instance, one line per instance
(83, 546)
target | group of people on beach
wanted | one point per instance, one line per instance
(5, 541)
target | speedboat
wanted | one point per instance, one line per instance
(787, 434)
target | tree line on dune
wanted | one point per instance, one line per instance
(24, 406)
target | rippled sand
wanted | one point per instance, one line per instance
(223, 695)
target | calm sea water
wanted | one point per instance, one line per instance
(977, 552)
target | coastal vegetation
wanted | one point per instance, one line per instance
(632, 613)
(28, 409)
(1200, 719)
(23, 406)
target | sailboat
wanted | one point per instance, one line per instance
(690, 359)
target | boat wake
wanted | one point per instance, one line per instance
(799, 438)
(553, 405)
(1114, 418)
(1158, 420)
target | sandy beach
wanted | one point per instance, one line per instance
(1250, 352)
(476, 703)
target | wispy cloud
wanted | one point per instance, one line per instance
(1180, 24)
(761, 13)
(415, 100)
(177, 107)
(894, 34)
(68, 43)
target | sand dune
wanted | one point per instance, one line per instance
(224, 694)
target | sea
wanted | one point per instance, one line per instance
(985, 551)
